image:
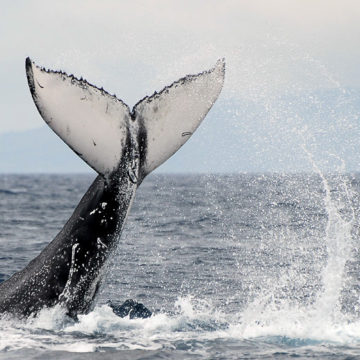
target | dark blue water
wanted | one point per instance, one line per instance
(243, 266)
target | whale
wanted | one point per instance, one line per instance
(123, 146)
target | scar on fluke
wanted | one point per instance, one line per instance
(186, 133)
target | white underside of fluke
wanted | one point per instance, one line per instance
(95, 124)
(92, 122)
(172, 116)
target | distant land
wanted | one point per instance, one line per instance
(209, 150)
(40, 150)
(236, 136)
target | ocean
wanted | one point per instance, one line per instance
(242, 266)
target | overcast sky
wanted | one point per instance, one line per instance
(132, 48)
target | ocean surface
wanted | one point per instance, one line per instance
(232, 266)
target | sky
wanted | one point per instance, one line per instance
(292, 74)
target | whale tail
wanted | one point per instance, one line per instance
(96, 125)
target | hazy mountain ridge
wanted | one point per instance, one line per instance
(239, 135)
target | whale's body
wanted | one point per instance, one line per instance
(123, 146)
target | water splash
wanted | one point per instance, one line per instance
(274, 313)
(338, 242)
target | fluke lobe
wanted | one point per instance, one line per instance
(123, 146)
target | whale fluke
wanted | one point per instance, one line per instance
(95, 124)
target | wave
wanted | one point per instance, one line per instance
(195, 328)
(12, 191)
